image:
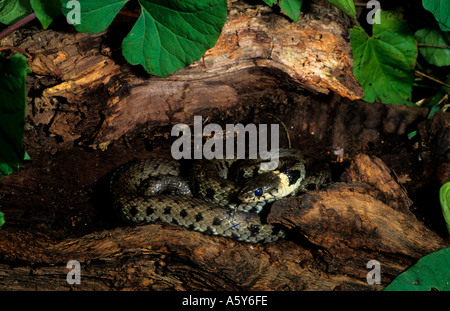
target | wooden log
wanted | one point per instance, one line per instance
(375, 173)
(258, 52)
(333, 234)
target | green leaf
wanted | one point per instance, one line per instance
(347, 6)
(270, 2)
(2, 219)
(46, 10)
(167, 36)
(412, 134)
(444, 197)
(12, 112)
(290, 8)
(12, 11)
(384, 63)
(394, 30)
(438, 56)
(95, 16)
(26, 156)
(170, 35)
(432, 111)
(430, 272)
(441, 11)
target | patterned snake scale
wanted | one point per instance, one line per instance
(222, 197)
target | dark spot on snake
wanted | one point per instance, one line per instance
(293, 176)
(209, 230)
(133, 211)
(149, 211)
(210, 194)
(235, 226)
(235, 236)
(183, 213)
(216, 221)
(254, 209)
(199, 217)
(255, 171)
(167, 210)
(254, 230)
(311, 186)
(276, 230)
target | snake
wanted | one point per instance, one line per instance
(220, 197)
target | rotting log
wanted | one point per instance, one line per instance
(257, 52)
(333, 234)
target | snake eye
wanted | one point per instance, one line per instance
(258, 192)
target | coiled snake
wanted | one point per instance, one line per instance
(228, 196)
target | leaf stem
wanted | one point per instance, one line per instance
(431, 78)
(129, 14)
(434, 45)
(17, 25)
(2, 48)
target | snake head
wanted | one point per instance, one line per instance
(260, 188)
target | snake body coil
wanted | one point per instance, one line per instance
(223, 205)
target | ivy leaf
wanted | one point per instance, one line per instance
(46, 10)
(167, 36)
(441, 11)
(95, 15)
(434, 55)
(12, 11)
(2, 219)
(444, 198)
(290, 8)
(170, 35)
(384, 63)
(270, 2)
(430, 272)
(347, 6)
(13, 72)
